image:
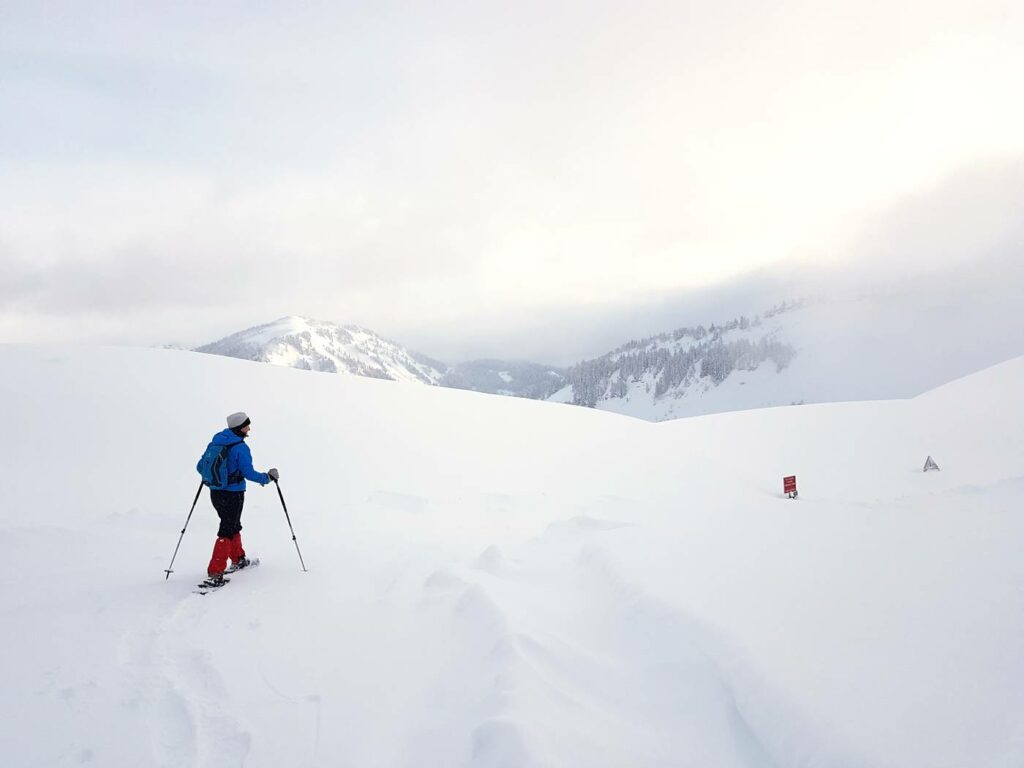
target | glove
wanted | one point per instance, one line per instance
(274, 474)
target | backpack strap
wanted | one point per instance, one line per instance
(235, 477)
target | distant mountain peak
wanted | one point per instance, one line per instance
(295, 341)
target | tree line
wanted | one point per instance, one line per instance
(678, 357)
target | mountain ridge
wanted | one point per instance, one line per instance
(873, 345)
(301, 342)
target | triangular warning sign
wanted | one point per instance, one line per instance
(930, 464)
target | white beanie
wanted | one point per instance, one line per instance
(237, 420)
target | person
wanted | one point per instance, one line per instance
(229, 499)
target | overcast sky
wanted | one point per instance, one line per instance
(529, 179)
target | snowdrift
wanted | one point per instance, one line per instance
(503, 582)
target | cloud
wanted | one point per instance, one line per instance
(958, 245)
(469, 166)
(971, 216)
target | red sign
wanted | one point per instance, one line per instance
(789, 484)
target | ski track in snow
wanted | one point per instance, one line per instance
(187, 707)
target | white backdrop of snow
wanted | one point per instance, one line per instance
(502, 582)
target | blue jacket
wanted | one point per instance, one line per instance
(239, 462)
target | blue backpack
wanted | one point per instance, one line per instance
(213, 465)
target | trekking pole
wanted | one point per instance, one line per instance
(169, 568)
(290, 525)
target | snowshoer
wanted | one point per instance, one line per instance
(232, 466)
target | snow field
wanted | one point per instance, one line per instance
(502, 582)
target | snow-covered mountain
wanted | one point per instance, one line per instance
(888, 344)
(503, 377)
(648, 378)
(871, 342)
(503, 582)
(299, 342)
(316, 345)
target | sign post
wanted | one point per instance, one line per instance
(789, 486)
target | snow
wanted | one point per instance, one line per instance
(564, 395)
(285, 326)
(498, 581)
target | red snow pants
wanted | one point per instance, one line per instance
(224, 550)
(229, 538)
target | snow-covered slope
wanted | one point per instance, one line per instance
(298, 342)
(503, 582)
(879, 346)
(503, 377)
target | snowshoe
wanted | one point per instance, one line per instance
(245, 562)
